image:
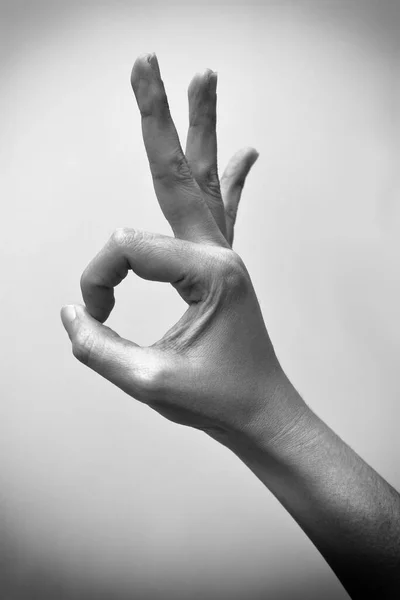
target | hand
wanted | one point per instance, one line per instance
(212, 370)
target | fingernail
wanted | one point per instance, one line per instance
(68, 314)
(153, 62)
(213, 78)
(209, 74)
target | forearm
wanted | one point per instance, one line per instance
(347, 510)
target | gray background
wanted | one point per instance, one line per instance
(101, 497)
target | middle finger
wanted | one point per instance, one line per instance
(201, 144)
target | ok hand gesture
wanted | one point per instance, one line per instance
(210, 370)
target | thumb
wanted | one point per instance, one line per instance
(136, 370)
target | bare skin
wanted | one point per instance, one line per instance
(216, 369)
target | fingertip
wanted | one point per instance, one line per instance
(252, 156)
(144, 64)
(94, 315)
(147, 58)
(210, 74)
(246, 158)
(68, 315)
(249, 154)
(203, 82)
(72, 312)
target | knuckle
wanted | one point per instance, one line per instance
(225, 181)
(231, 213)
(90, 279)
(155, 104)
(127, 237)
(233, 271)
(121, 236)
(83, 347)
(90, 282)
(153, 384)
(233, 181)
(239, 182)
(173, 171)
(84, 280)
(207, 178)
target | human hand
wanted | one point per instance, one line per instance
(214, 370)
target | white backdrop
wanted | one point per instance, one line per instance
(100, 497)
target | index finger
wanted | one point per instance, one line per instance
(178, 194)
(154, 257)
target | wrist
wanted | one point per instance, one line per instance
(278, 423)
(281, 426)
